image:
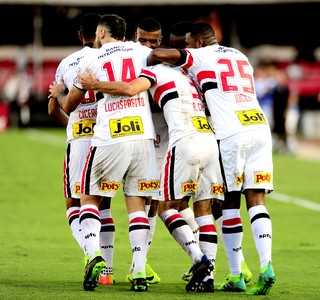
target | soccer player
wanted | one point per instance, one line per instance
(149, 33)
(177, 39)
(79, 128)
(190, 167)
(244, 136)
(122, 148)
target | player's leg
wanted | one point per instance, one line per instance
(107, 236)
(262, 233)
(138, 231)
(217, 215)
(232, 233)
(208, 239)
(90, 227)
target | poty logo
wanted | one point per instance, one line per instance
(109, 186)
(260, 177)
(189, 186)
(77, 188)
(217, 189)
(239, 179)
(148, 185)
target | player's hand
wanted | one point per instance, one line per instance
(87, 81)
(55, 88)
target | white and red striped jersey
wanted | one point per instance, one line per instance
(177, 95)
(83, 118)
(226, 79)
(119, 118)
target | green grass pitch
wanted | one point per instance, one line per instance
(39, 259)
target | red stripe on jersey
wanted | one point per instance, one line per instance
(172, 218)
(189, 60)
(232, 222)
(150, 74)
(206, 75)
(208, 228)
(139, 220)
(166, 177)
(163, 88)
(107, 221)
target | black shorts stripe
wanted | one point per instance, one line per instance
(208, 238)
(259, 216)
(167, 97)
(139, 227)
(171, 179)
(221, 168)
(209, 86)
(67, 172)
(88, 172)
(176, 224)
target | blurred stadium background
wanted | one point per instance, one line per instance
(37, 34)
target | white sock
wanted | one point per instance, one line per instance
(188, 215)
(262, 232)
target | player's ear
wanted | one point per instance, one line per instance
(80, 36)
(200, 42)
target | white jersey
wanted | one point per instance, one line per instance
(119, 118)
(83, 118)
(226, 79)
(183, 109)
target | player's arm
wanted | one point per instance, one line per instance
(55, 112)
(116, 87)
(174, 57)
(68, 101)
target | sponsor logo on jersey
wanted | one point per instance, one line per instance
(126, 126)
(109, 186)
(148, 185)
(201, 124)
(83, 128)
(262, 177)
(251, 117)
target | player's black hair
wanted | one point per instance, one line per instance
(181, 28)
(202, 29)
(116, 25)
(88, 25)
(149, 25)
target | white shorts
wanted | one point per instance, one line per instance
(74, 160)
(191, 168)
(131, 163)
(247, 160)
(162, 137)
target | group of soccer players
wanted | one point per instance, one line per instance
(135, 114)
